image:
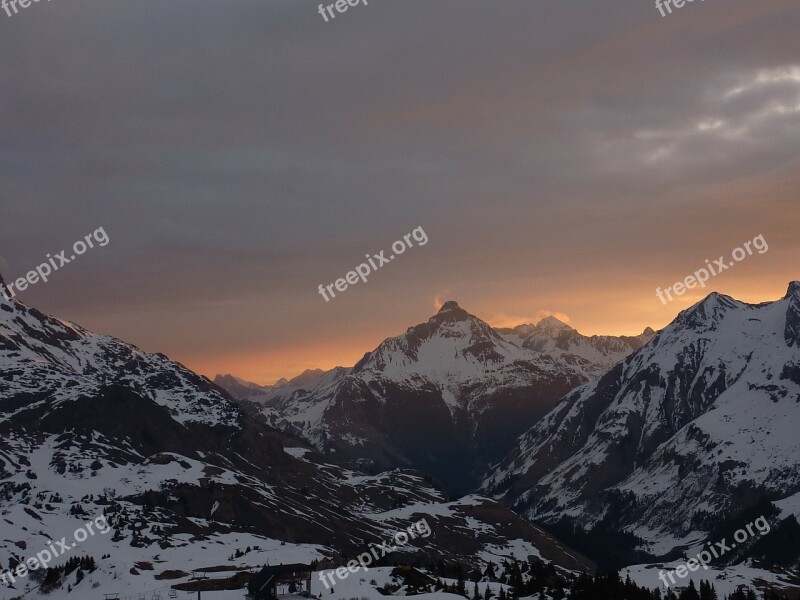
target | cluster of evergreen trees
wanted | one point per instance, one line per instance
(53, 577)
(543, 581)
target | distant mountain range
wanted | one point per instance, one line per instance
(90, 425)
(448, 397)
(241, 389)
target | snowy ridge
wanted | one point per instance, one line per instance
(664, 443)
(61, 361)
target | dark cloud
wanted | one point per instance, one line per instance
(240, 153)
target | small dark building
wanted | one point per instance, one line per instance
(264, 584)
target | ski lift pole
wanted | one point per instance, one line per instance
(199, 579)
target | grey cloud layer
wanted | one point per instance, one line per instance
(248, 149)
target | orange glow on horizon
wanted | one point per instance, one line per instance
(617, 313)
(265, 367)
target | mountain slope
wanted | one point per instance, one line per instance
(695, 428)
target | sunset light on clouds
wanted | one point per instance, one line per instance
(564, 159)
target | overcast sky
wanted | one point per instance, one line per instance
(563, 157)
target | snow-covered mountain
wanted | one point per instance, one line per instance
(593, 355)
(448, 397)
(187, 480)
(239, 388)
(696, 428)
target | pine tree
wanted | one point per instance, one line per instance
(705, 590)
(461, 588)
(690, 593)
(738, 594)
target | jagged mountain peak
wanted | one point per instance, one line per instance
(230, 377)
(237, 387)
(715, 299)
(711, 310)
(450, 312)
(450, 306)
(552, 325)
(442, 343)
(307, 377)
(708, 311)
(451, 321)
(311, 372)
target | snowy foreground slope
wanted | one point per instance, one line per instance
(448, 397)
(187, 481)
(693, 431)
